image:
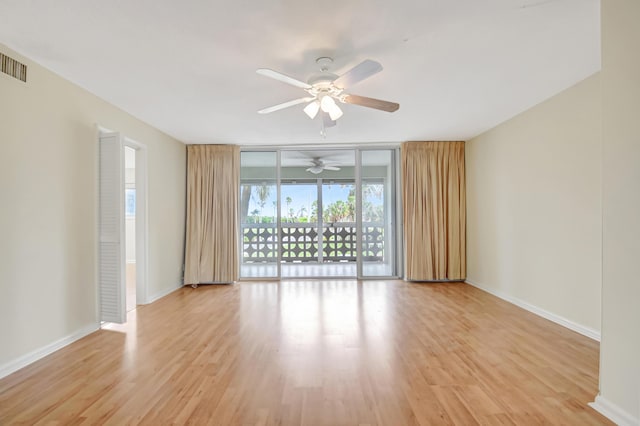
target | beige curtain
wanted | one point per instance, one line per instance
(211, 251)
(433, 190)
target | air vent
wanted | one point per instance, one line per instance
(13, 68)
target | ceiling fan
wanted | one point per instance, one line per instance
(325, 88)
(318, 166)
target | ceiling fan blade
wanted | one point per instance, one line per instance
(285, 105)
(371, 103)
(363, 70)
(283, 78)
(331, 168)
(326, 119)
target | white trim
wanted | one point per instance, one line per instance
(142, 220)
(613, 412)
(35, 355)
(358, 185)
(315, 145)
(578, 328)
(399, 216)
(162, 294)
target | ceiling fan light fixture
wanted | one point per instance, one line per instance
(325, 89)
(312, 109)
(335, 112)
(315, 169)
(327, 103)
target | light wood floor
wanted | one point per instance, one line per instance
(316, 352)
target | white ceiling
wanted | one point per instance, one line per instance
(457, 67)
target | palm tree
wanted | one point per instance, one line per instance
(339, 211)
(245, 197)
(288, 200)
(263, 191)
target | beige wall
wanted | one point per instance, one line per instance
(620, 348)
(48, 170)
(534, 207)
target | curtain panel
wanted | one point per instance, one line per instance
(434, 204)
(211, 247)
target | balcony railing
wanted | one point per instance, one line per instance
(300, 242)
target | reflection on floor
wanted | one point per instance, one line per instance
(131, 286)
(314, 270)
(316, 352)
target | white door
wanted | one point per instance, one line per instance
(111, 255)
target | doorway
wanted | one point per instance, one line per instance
(122, 227)
(318, 213)
(318, 228)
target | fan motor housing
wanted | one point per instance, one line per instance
(322, 80)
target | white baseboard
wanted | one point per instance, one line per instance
(578, 328)
(162, 294)
(613, 412)
(33, 356)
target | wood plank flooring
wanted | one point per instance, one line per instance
(316, 353)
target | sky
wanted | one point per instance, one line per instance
(302, 196)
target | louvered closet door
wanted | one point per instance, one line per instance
(111, 229)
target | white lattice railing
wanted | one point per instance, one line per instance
(299, 242)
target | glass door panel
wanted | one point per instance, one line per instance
(258, 214)
(339, 222)
(299, 222)
(378, 201)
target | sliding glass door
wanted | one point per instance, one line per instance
(378, 213)
(316, 213)
(298, 226)
(258, 215)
